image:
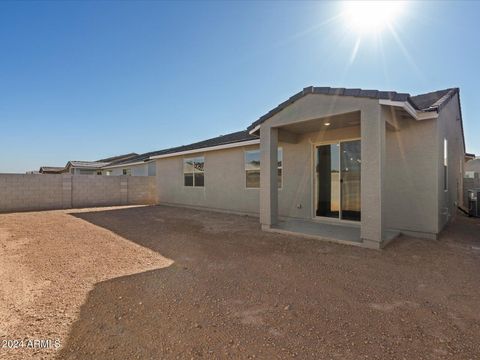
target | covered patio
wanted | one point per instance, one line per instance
(341, 129)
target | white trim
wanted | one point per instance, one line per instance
(417, 115)
(211, 148)
(125, 165)
(193, 171)
(254, 130)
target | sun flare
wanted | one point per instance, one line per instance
(371, 16)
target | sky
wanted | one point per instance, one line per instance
(88, 80)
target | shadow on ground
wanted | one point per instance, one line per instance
(235, 291)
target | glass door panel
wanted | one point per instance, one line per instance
(350, 166)
(328, 181)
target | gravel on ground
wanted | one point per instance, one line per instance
(163, 282)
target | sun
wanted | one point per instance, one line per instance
(371, 16)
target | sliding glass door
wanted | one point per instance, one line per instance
(338, 175)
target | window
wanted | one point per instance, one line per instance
(252, 168)
(445, 164)
(108, 172)
(127, 172)
(470, 174)
(99, 173)
(194, 172)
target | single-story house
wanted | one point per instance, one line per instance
(84, 167)
(90, 167)
(472, 168)
(138, 165)
(469, 156)
(51, 169)
(351, 165)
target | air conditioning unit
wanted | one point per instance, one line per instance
(474, 202)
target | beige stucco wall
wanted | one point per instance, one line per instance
(225, 178)
(19, 192)
(410, 176)
(224, 182)
(449, 127)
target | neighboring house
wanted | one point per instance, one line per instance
(472, 168)
(469, 156)
(51, 170)
(139, 165)
(88, 167)
(352, 165)
(471, 180)
(84, 167)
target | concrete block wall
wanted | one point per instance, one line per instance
(94, 190)
(19, 192)
(142, 190)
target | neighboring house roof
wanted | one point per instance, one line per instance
(118, 158)
(87, 164)
(424, 102)
(51, 169)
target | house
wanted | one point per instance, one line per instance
(469, 156)
(472, 165)
(472, 168)
(51, 170)
(87, 167)
(138, 165)
(84, 167)
(349, 165)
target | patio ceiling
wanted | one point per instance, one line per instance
(335, 122)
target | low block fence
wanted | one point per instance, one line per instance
(24, 192)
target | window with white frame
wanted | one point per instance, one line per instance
(445, 164)
(127, 172)
(252, 168)
(194, 172)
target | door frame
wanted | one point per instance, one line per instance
(315, 184)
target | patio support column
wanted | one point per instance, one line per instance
(372, 185)
(268, 177)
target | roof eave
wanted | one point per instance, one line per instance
(416, 114)
(209, 148)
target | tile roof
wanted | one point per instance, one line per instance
(433, 100)
(51, 169)
(425, 102)
(87, 164)
(118, 158)
(231, 138)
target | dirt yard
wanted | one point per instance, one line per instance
(162, 282)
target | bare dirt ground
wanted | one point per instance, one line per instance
(161, 282)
